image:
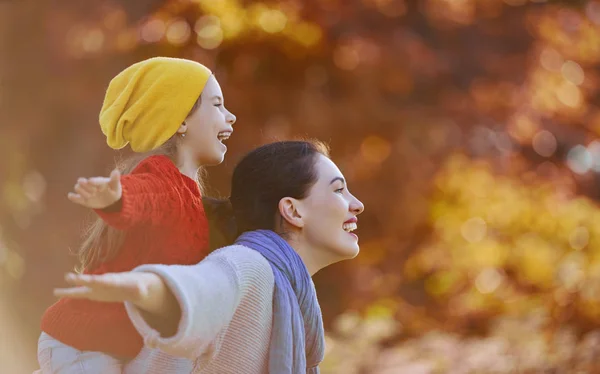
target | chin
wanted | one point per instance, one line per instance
(348, 252)
(346, 247)
(212, 160)
(354, 252)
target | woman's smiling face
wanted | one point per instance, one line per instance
(329, 213)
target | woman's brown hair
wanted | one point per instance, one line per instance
(260, 180)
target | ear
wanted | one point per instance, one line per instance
(183, 128)
(289, 209)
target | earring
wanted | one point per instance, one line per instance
(183, 133)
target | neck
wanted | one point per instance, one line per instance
(313, 260)
(187, 164)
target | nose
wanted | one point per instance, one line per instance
(231, 118)
(356, 206)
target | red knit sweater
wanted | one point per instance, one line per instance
(164, 218)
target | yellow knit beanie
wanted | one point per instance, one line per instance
(146, 103)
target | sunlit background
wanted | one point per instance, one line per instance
(469, 128)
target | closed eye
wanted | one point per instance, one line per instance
(218, 105)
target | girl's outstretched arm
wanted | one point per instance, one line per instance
(97, 192)
(155, 193)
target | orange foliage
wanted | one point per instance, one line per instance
(468, 128)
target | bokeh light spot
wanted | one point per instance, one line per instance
(375, 149)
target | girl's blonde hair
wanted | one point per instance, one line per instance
(101, 242)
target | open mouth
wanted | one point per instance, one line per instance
(349, 227)
(223, 135)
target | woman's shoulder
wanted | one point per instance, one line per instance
(246, 262)
(241, 254)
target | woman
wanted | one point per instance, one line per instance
(250, 307)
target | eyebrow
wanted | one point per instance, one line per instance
(217, 97)
(338, 179)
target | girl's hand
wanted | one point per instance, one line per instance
(97, 192)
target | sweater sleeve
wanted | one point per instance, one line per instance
(155, 192)
(208, 294)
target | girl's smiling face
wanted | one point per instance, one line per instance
(207, 126)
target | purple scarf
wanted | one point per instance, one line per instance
(297, 338)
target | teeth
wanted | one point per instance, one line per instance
(223, 135)
(349, 227)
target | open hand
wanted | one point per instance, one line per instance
(109, 287)
(97, 192)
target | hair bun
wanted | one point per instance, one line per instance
(221, 221)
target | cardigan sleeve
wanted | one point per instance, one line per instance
(208, 294)
(154, 193)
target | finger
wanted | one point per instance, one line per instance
(82, 192)
(99, 181)
(76, 198)
(90, 280)
(73, 292)
(84, 181)
(115, 179)
(88, 187)
(80, 279)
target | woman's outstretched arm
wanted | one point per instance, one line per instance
(147, 291)
(181, 309)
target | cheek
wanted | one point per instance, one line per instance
(206, 114)
(213, 114)
(201, 117)
(327, 215)
(201, 125)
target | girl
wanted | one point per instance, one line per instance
(250, 307)
(172, 111)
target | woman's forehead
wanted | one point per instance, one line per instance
(327, 170)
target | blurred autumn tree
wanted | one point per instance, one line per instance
(467, 127)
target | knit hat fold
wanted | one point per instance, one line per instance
(147, 102)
